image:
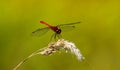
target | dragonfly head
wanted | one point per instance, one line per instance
(58, 31)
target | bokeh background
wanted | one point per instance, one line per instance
(98, 35)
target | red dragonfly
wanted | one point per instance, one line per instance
(57, 29)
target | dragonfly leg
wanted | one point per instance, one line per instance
(59, 36)
(52, 36)
(55, 36)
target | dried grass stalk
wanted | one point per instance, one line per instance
(53, 47)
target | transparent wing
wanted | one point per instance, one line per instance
(40, 31)
(69, 24)
(67, 27)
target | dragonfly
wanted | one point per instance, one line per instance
(57, 29)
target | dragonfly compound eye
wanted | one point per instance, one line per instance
(58, 31)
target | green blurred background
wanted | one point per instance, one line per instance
(98, 36)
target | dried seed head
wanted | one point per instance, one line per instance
(54, 47)
(62, 44)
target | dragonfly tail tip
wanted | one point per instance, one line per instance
(42, 22)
